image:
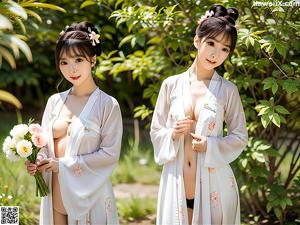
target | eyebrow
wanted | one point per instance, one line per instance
(71, 57)
(218, 41)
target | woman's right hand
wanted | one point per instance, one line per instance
(32, 168)
(182, 126)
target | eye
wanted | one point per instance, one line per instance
(226, 50)
(79, 60)
(62, 63)
(210, 43)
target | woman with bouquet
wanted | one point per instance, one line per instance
(84, 128)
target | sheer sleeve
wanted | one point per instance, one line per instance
(165, 149)
(44, 152)
(224, 150)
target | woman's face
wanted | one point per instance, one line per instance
(75, 68)
(212, 52)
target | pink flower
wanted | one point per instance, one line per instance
(212, 125)
(77, 170)
(39, 140)
(35, 128)
(215, 198)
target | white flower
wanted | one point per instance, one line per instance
(8, 144)
(24, 148)
(19, 131)
(94, 38)
(12, 156)
(209, 13)
(204, 17)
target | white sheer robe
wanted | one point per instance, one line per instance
(90, 157)
(215, 182)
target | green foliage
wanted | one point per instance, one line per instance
(132, 157)
(136, 208)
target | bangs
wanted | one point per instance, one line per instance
(74, 48)
(226, 36)
(218, 26)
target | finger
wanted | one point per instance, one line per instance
(31, 167)
(189, 122)
(195, 137)
(45, 166)
(27, 162)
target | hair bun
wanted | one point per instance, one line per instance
(218, 10)
(231, 14)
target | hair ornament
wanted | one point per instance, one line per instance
(208, 13)
(63, 31)
(93, 37)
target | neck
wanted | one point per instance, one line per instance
(85, 89)
(201, 72)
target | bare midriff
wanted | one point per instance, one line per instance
(197, 90)
(61, 131)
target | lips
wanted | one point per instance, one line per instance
(211, 62)
(75, 77)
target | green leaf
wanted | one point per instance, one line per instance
(269, 206)
(16, 9)
(34, 14)
(8, 97)
(265, 120)
(270, 82)
(259, 157)
(290, 86)
(281, 48)
(126, 39)
(276, 119)
(140, 39)
(281, 109)
(263, 147)
(5, 23)
(277, 212)
(87, 3)
(8, 57)
(42, 5)
(154, 40)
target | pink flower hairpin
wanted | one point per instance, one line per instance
(205, 16)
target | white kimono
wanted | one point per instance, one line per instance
(90, 157)
(222, 102)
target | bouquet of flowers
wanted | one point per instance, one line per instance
(25, 141)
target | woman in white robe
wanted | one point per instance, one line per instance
(84, 128)
(197, 184)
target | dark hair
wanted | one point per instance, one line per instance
(75, 40)
(222, 21)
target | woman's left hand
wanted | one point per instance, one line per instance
(199, 143)
(52, 165)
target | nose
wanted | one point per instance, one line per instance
(73, 68)
(214, 54)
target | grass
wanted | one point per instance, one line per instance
(136, 209)
(136, 166)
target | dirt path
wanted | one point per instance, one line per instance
(136, 190)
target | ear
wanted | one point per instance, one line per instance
(93, 60)
(196, 41)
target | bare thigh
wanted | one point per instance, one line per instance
(59, 219)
